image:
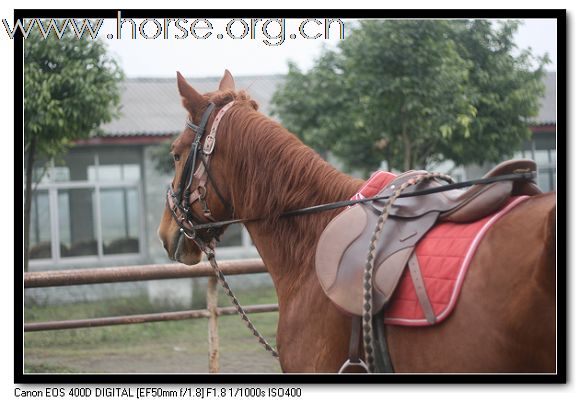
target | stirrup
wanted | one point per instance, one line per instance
(348, 364)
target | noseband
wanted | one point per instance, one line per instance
(180, 202)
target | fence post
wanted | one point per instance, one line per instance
(212, 307)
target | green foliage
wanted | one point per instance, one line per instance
(506, 89)
(415, 92)
(71, 87)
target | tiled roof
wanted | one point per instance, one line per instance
(151, 106)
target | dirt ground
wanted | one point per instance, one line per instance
(155, 358)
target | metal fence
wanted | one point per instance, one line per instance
(144, 273)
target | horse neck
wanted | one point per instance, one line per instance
(274, 172)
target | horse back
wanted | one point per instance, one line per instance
(505, 318)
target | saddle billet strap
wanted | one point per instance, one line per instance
(420, 288)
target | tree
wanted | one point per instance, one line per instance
(415, 93)
(71, 87)
(506, 90)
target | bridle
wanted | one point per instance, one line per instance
(180, 202)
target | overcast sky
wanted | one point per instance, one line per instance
(262, 55)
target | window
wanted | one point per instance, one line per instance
(40, 246)
(77, 222)
(120, 225)
(87, 205)
(542, 149)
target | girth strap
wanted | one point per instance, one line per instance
(420, 288)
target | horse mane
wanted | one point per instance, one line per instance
(274, 172)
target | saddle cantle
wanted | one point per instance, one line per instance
(344, 243)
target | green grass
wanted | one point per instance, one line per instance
(179, 346)
(47, 368)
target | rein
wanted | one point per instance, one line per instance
(524, 176)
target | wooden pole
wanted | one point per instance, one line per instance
(85, 276)
(212, 307)
(142, 318)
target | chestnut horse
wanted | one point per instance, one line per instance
(504, 320)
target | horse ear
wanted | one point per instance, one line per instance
(191, 99)
(227, 83)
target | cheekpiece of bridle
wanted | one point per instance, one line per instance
(181, 200)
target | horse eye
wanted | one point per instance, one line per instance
(176, 157)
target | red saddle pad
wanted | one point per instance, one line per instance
(444, 255)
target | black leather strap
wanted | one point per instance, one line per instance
(353, 349)
(342, 204)
(383, 363)
(189, 168)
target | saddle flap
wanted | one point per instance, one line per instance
(336, 237)
(344, 244)
(389, 272)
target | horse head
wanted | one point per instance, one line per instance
(199, 193)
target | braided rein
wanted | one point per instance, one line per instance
(367, 322)
(209, 252)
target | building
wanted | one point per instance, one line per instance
(101, 204)
(542, 146)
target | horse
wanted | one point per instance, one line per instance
(504, 320)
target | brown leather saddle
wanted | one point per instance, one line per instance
(344, 244)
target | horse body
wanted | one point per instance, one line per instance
(504, 320)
